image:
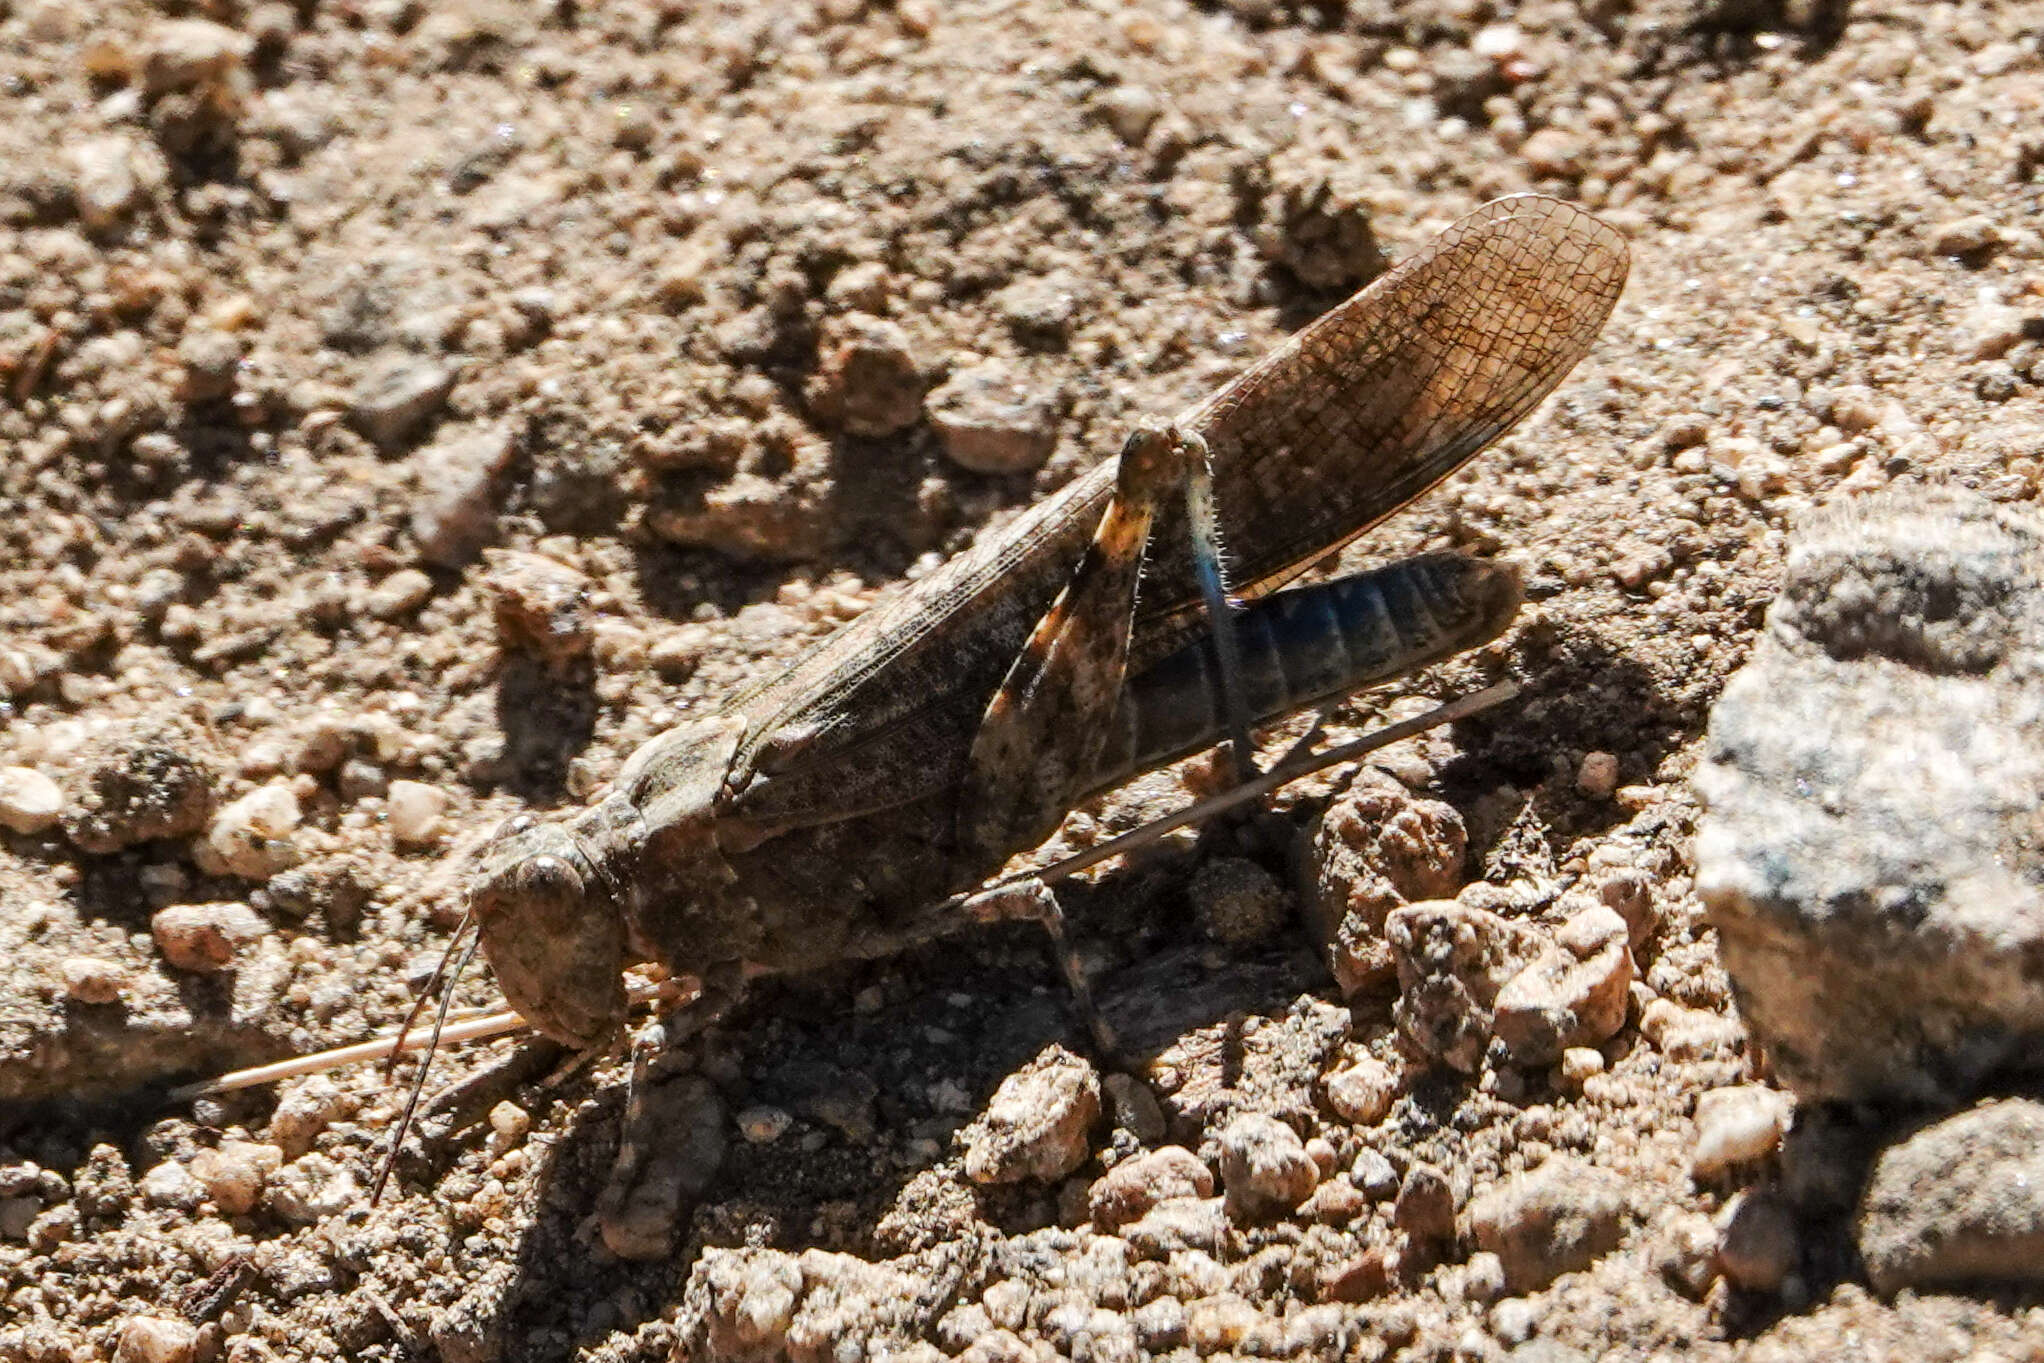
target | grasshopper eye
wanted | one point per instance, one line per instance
(546, 880)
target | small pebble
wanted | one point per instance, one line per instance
(205, 937)
(1131, 1188)
(1629, 894)
(1759, 1246)
(1971, 235)
(867, 381)
(455, 513)
(1135, 1108)
(510, 1121)
(1483, 1277)
(1178, 1225)
(401, 593)
(1551, 1220)
(1037, 1123)
(252, 835)
(211, 360)
(1362, 1278)
(541, 605)
(307, 1108)
(1591, 929)
(311, 1188)
(764, 1125)
(1264, 1167)
(1581, 1062)
(105, 186)
(1688, 1033)
(1597, 777)
(88, 979)
(993, 422)
(1237, 902)
(178, 54)
(414, 810)
(400, 394)
(1737, 1126)
(1498, 42)
(1992, 328)
(157, 1339)
(1686, 1253)
(29, 801)
(1551, 151)
(1425, 1209)
(234, 1174)
(1363, 1092)
(1575, 994)
(1130, 110)
(170, 1184)
(1374, 1174)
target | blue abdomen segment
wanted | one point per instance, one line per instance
(1309, 644)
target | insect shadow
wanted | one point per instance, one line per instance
(874, 1066)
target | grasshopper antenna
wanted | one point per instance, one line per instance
(404, 1121)
(426, 993)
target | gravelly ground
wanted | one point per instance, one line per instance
(299, 309)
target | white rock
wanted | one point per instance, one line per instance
(1363, 1092)
(170, 1184)
(252, 835)
(234, 1174)
(180, 53)
(156, 1339)
(1961, 1200)
(29, 800)
(105, 185)
(311, 1188)
(1264, 1166)
(1037, 1122)
(1736, 1126)
(1871, 780)
(400, 593)
(305, 1110)
(415, 809)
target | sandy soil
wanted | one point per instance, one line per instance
(303, 305)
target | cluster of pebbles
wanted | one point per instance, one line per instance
(405, 410)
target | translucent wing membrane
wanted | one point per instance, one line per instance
(1386, 395)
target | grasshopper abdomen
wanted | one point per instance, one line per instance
(1309, 644)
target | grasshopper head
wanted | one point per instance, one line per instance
(552, 932)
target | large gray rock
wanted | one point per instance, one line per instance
(1872, 856)
(1960, 1201)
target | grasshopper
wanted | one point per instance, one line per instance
(833, 811)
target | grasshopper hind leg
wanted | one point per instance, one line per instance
(1040, 741)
